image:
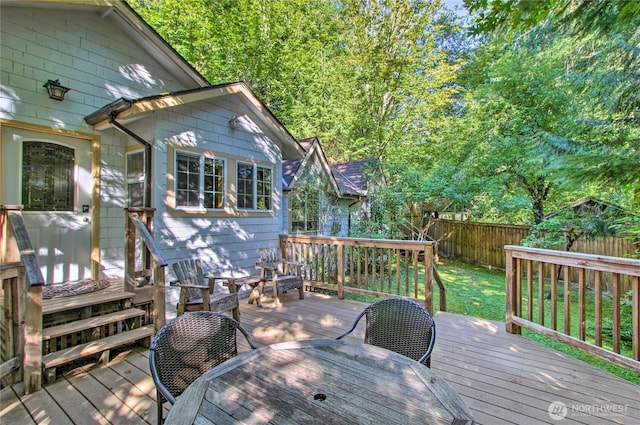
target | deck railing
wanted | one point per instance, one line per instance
(591, 314)
(374, 267)
(139, 228)
(22, 281)
(21, 321)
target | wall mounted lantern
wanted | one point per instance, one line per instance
(234, 122)
(55, 89)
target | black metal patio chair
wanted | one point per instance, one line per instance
(399, 325)
(187, 347)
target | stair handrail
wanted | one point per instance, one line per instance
(139, 221)
(25, 281)
(16, 231)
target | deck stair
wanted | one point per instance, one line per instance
(90, 325)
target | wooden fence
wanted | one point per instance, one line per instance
(483, 244)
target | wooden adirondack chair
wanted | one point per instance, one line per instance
(197, 295)
(284, 275)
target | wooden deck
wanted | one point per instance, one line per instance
(504, 379)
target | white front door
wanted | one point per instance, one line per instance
(50, 176)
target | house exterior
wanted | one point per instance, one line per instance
(138, 127)
(356, 180)
(326, 199)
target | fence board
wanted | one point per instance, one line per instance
(483, 244)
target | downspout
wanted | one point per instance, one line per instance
(147, 156)
(147, 175)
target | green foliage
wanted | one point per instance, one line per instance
(540, 109)
(392, 54)
(563, 229)
(598, 43)
(544, 116)
(355, 74)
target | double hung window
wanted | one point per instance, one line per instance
(135, 179)
(200, 181)
(305, 211)
(254, 187)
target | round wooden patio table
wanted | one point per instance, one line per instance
(320, 382)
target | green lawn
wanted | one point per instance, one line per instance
(480, 292)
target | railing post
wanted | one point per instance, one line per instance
(441, 289)
(129, 253)
(511, 293)
(428, 276)
(340, 271)
(636, 317)
(28, 309)
(32, 364)
(159, 306)
(147, 219)
(139, 222)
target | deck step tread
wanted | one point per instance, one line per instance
(95, 347)
(113, 293)
(90, 323)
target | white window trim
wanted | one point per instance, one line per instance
(201, 157)
(132, 181)
(255, 186)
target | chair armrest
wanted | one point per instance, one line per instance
(267, 269)
(267, 266)
(180, 285)
(292, 267)
(182, 300)
(229, 282)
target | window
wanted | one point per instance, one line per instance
(254, 187)
(199, 181)
(47, 177)
(135, 179)
(305, 211)
(263, 188)
(213, 183)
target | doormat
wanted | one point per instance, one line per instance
(70, 289)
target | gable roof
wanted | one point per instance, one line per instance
(127, 20)
(351, 176)
(127, 110)
(290, 168)
(590, 206)
(293, 169)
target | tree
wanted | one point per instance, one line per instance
(401, 79)
(538, 120)
(353, 73)
(605, 42)
(563, 229)
(515, 106)
(283, 49)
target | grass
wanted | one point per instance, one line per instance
(479, 292)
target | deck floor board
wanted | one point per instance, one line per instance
(504, 378)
